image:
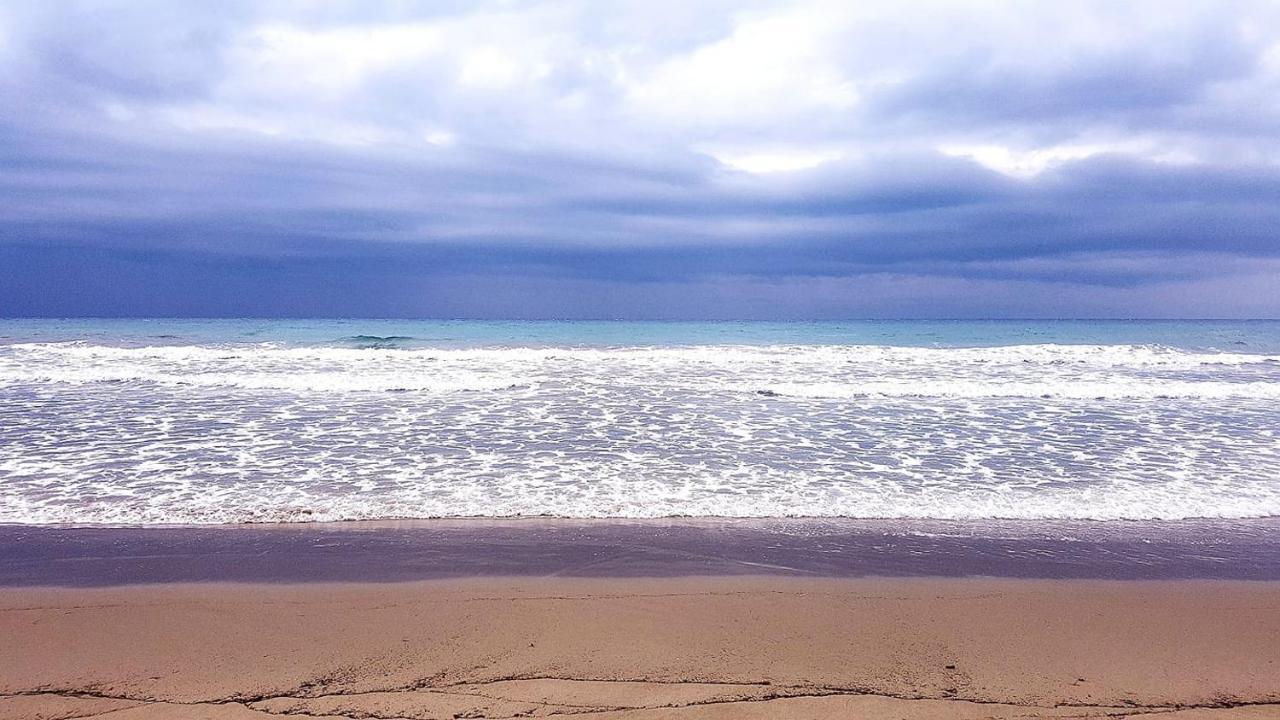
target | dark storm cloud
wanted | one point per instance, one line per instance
(547, 160)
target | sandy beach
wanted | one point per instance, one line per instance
(746, 647)
(574, 636)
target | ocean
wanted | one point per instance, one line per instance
(227, 421)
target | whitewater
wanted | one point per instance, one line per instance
(191, 429)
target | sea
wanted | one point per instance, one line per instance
(145, 422)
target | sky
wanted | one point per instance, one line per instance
(655, 159)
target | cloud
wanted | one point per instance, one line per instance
(707, 159)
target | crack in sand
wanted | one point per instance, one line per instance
(769, 691)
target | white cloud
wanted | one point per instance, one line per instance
(773, 161)
(488, 68)
(439, 137)
(1021, 163)
(769, 69)
(765, 83)
(326, 63)
(1029, 162)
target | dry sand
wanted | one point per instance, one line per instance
(725, 647)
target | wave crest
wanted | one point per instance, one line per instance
(796, 372)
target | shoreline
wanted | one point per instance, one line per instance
(405, 551)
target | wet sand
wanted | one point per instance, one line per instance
(433, 549)
(757, 625)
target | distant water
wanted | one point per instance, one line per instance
(215, 421)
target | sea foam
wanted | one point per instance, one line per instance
(273, 432)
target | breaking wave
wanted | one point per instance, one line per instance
(272, 432)
(827, 372)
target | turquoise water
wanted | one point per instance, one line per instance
(211, 421)
(1236, 335)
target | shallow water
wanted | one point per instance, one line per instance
(241, 420)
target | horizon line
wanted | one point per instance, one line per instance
(639, 320)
